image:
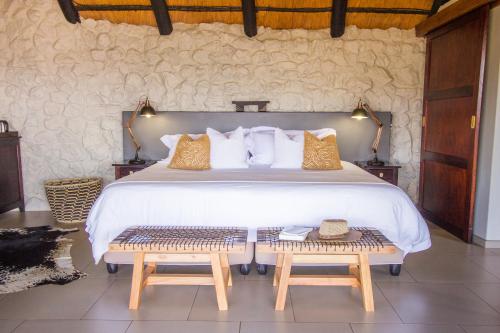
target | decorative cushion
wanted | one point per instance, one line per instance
(228, 151)
(288, 150)
(321, 154)
(191, 154)
(171, 140)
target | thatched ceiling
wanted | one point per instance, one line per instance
(276, 14)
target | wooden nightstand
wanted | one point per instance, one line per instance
(387, 172)
(123, 169)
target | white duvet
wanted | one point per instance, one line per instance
(253, 198)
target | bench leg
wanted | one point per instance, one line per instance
(366, 282)
(220, 285)
(354, 270)
(277, 270)
(225, 265)
(137, 281)
(151, 267)
(283, 282)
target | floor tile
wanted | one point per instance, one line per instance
(99, 271)
(338, 304)
(481, 329)
(70, 301)
(491, 263)
(248, 301)
(184, 327)
(489, 292)
(381, 273)
(443, 243)
(157, 303)
(73, 326)
(405, 328)
(14, 219)
(438, 303)
(7, 326)
(283, 327)
(81, 252)
(447, 269)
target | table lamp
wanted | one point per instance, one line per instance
(144, 109)
(363, 111)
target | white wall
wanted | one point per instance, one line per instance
(487, 213)
(64, 86)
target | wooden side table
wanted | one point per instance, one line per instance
(387, 172)
(123, 169)
(314, 251)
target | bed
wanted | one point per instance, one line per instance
(253, 198)
(256, 197)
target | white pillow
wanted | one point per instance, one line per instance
(262, 145)
(289, 147)
(227, 151)
(171, 140)
(288, 150)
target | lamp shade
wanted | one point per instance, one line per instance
(359, 112)
(147, 110)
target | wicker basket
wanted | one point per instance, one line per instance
(71, 199)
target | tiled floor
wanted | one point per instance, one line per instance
(453, 287)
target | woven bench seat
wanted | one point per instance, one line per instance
(314, 251)
(163, 244)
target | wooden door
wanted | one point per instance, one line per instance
(450, 126)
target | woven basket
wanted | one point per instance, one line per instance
(71, 199)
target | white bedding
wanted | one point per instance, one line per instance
(253, 198)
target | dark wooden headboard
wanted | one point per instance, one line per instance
(354, 136)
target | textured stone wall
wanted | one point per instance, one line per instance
(64, 86)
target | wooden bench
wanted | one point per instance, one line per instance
(152, 245)
(314, 251)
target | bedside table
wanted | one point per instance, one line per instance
(387, 172)
(123, 169)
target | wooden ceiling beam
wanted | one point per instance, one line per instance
(69, 11)
(163, 21)
(436, 5)
(210, 9)
(448, 14)
(249, 17)
(337, 23)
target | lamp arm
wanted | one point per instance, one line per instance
(380, 125)
(129, 124)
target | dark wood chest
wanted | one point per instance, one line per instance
(11, 178)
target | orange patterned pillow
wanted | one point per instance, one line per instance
(192, 154)
(321, 154)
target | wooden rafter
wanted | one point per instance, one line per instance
(337, 25)
(163, 21)
(209, 9)
(436, 5)
(448, 14)
(69, 11)
(249, 17)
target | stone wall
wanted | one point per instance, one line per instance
(64, 86)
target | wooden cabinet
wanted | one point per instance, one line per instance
(124, 169)
(11, 178)
(389, 173)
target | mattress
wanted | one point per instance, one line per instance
(254, 198)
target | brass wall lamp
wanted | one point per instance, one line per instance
(363, 111)
(144, 109)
